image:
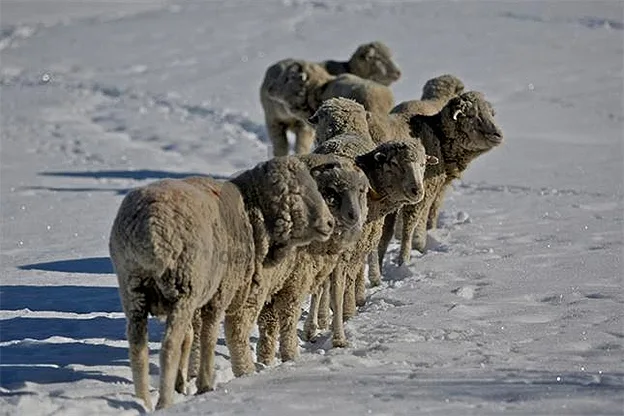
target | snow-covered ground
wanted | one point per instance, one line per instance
(518, 306)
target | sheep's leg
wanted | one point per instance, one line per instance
(237, 326)
(338, 277)
(410, 220)
(277, 133)
(374, 269)
(288, 306)
(386, 236)
(136, 330)
(176, 328)
(434, 210)
(210, 319)
(360, 284)
(420, 225)
(305, 137)
(310, 327)
(268, 328)
(183, 367)
(324, 305)
(348, 305)
(195, 346)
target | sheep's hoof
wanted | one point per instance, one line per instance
(340, 343)
(310, 334)
(148, 405)
(360, 301)
(375, 281)
(261, 366)
(181, 388)
(161, 404)
(204, 389)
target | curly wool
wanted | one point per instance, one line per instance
(167, 234)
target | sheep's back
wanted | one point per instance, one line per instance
(173, 231)
(373, 96)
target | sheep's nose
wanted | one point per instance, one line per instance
(351, 215)
(330, 223)
(398, 73)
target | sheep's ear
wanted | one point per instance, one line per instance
(313, 119)
(360, 162)
(432, 160)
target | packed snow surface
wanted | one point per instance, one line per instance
(515, 308)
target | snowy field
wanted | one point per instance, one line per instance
(516, 308)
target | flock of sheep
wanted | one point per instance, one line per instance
(248, 251)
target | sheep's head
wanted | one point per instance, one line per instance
(396, 170)
(374, 61)
(336, 116)
(344, 187)
(291, 207)
(443, 86)
(469, 120)
(295, 84)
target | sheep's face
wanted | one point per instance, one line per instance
(396, 170)
(444, 86)
(374, 61)
(344, 188)
(294, 85)
(336, 116)
(470, 119)
(312, 218)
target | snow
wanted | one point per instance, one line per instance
(517, 306)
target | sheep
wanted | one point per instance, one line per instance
(370, 61)
(293, 89)
(313, 265)
(435, 94)
(337, 178)
(460, 132)
(167, 234)
(395, 170)
(341, 115)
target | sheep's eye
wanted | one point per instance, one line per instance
(331, 197)
(363, 190)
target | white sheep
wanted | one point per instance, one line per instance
(344, 187)
(345, 116)
(369, 61)
(346, 196)
(342, 115)
(167, 235)
(435, 94)
(395, 170)
(293, 89)
(460, 132)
